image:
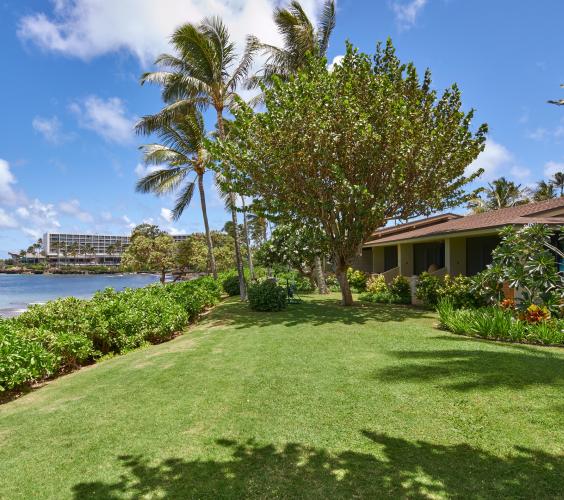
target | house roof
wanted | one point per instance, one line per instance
(545, 212)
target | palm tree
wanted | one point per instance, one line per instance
(500, 193)
(544, 191)
(203, 73)
(55, 247)
(74, 250)
(300, 37)
(558, 182)
(182, 148)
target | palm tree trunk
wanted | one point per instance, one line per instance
(211, 257)
(247, 240)
(233, 201)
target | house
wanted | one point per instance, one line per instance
(449, 243)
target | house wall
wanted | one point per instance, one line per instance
(455, 255)
(405, 259)
(378, 260)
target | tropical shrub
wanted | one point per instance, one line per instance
(400, 289)
(267, 296)
(427, 289)
(377, 290)
(230, 284)
(66, 333)
(525, 260)
(332, 283)
(376, 284)
(357, 279)
(22, 360)
(499, 323)
(461, 290)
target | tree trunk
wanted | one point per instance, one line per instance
(233, 201)
(319, 276)
(163, 276)
(211, 256)
(248, 241)
(238, 258)
(341, 267)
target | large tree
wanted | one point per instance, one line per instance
(205, 71)
(181, 149)
(353, 148)
(149, 249)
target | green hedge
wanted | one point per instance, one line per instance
(66, 333)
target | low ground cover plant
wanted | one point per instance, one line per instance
(66, 333)
(398, 291)
(267, 295)
(502, 323)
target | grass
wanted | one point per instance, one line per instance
(313, 402)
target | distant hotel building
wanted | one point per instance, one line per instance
(99, 249)
(81, 249)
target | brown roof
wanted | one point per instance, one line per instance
(519, 215)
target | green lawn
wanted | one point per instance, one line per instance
(314, 402)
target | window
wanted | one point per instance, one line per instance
(390, 257)
(479, 253)
(426, 255)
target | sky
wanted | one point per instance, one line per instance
(70, 95)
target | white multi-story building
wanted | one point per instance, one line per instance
(87, 249)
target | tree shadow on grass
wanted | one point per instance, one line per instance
(397, 469)
(316, 312)
(514, 367)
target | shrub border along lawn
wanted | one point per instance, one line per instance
(62, 335)
(495, 323)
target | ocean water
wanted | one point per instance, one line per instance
(17, 291)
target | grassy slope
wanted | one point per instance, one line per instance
(313, 402)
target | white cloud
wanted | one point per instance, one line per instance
(406, 13)
(539, 134)
(520, 173)
(107, 117)
(50, 129)
(143, 170)
(335, 62)
(492, 159)
(7, 180)
(89, 28)
(552, 167)
(7, 221)
(166, 214)
(72, 208)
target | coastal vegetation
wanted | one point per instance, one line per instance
(64, 334)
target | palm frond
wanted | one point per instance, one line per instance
(183, 200)
(326, 26)
(162, 181)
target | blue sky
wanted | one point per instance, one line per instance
(70, 94)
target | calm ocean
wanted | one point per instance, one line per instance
(17, 291)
